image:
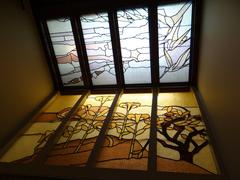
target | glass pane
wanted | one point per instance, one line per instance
(182, 140)
(99, 48)
(174, 38)
(79, 137)
(134, 39)
(28, 145)
(65, 51)
(127, 140)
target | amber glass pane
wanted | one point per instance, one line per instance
(182, 140)
(35, 137)
(127, 139)
(79, 137)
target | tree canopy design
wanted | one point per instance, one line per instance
(128, 124)
(89, 120)
(181, 131)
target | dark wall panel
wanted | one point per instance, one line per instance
(219, 78)
(24, 75)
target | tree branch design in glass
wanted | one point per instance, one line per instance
(79, 137)
(99, 48)
(127, 139)
(174, 37)
(27, 146)
(134, 39)
(65, 51)
(182, 141)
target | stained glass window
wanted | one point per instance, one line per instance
(35, 137)
(134, 39)
(174, 37)
(182, 140)
(98, 43)
(65, 51)
(79, 137)
(127, 140)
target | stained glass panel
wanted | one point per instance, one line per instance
(127, 139)
(174, 37)
(134, 39)
(99, 48)
(65, 51)
(182, 140)
(35, 137)
(79, 137)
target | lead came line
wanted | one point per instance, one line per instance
(42, 156)
(101, 136)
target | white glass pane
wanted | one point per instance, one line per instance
(99, 48)
(65, 51)
(134, 39)
(174, 37)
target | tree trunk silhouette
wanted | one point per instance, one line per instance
(186, 156)
(182, 146)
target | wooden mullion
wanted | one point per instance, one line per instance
(81, 50)
(195, 38)
(100, 139)
(43, 154)
(152, 154)
(153, 34)
(114, 31)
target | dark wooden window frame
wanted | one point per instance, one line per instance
(45, 10)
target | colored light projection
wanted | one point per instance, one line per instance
(182, 141)
(174, 38)
(65, 51)
(134, 40)
(98, 43)
(79, 137)
(127, 140)
(35, 137)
